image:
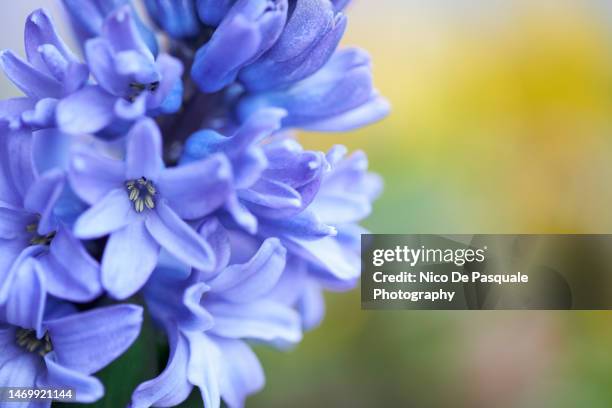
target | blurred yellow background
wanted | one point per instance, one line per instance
(501, 123)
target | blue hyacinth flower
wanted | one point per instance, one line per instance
(62, 349)
(249, 29)
(131, 82)
(50, 73)
(144, 206)
(207, 329)
(31, 228)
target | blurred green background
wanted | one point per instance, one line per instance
(501, 123)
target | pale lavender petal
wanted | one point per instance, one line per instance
(171, 387)
(100, 57)
(311, 305)
(120, 30)
(178, 238)
(11, 110)
(89, 341)
(93, 176)
(272, 195)
(131, 110)
(12, 254)
(42, 196)
(376, 109)
(254, 279)
(42, 115)
(86, 111)
(129, 259)
(263, 320)
(242, 372)
(26, 301)
(144, 151)
(16, 167)
(112, 213)
(13, 223)
(20, 371)
(216, 236)
(196, 189)
(327, 253)
(70, 271)
(205, 362)
(240, 214)
(32, 82)
(86, 388)
(39, 30)
(170, 69)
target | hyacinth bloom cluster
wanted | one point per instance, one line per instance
(159, 174)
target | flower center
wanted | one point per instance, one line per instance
(142, 193)
(36, 239)
(136, 89)
(27, 339)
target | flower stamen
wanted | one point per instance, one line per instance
(39, 239)
(142, 193)
(136, 89)
(26, 338)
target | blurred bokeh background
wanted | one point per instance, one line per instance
(501, 123)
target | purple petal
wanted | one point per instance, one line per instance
(252, 280)
(340, 209)
(272, 194)
(87, 389)
(374, 110)
(42, 196)
(196, 189)
(136, 66)
(13, 223)
(242, 372)
(100, 57)
(327, 253)
(308, 40)
(244, 40)
(120, 30)
(253, 26)
(178, 19)
(129, 259)
(131, 111)
(20, 369)
(211, 12)
(10, 252)
(71, 273)
(144, 150)
(16, 167)
(89, 341)
(32, 82)
(11, 110)
(171, 387)
(178, 238)
(311, 305)
(114, 212)
(39, 30)
(26, 301)
(263, 320)
(240, 214)
(306, 225)
(42, 115)
(216, 236)
(93, 176)
(204, 367)
(86, 111)
(170, 70)
(187, 311)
